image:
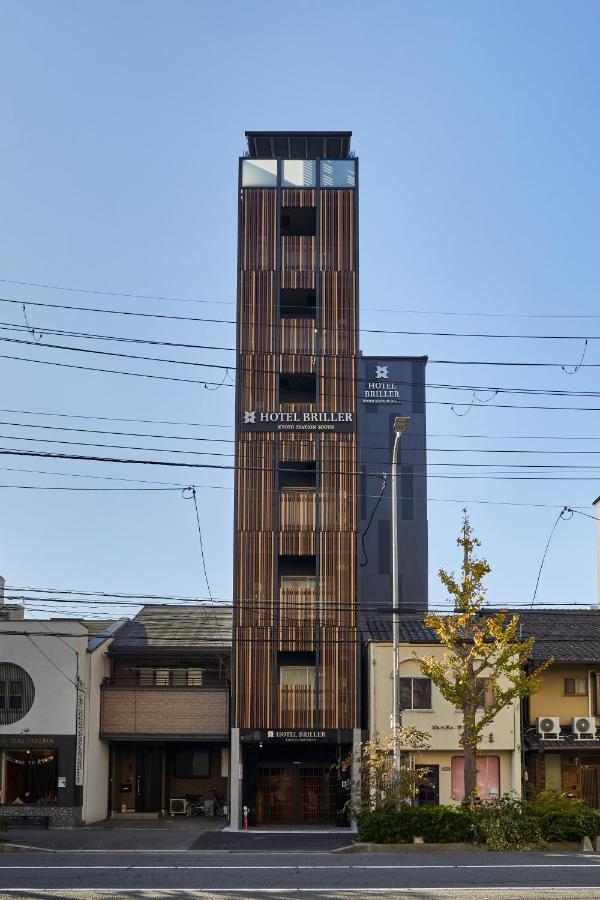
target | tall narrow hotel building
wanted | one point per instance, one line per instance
(296, 697)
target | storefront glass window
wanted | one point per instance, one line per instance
(29, 777)
(488, 777)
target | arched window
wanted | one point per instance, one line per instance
(16, 693)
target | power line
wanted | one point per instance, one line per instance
(9, 326)
(418, 470)
(29, 412)
(179, 487)
(170, 299)
(179, 437)
(205, 383)
(494, 437)
(346, 329)
(225, 467)
(554, 392)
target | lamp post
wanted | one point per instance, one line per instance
(400, 426)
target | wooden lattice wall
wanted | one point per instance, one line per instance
(325, 347)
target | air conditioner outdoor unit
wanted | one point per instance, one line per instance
(583, 727)
(177, 806)
(548, 727)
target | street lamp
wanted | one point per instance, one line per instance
(400, 426)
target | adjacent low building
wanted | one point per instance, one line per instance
(164, 713)
(499, 763)
(560, 721)
(52, 762)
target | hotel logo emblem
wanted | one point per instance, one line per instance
(250, 418)
(381, 372)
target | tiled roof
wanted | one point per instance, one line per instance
(568, 635)
(411, 630)
(176, 627)
(567, 741)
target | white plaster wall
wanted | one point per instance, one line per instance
(597, 508)
(53, 667)
(443, 722)
(96, 758)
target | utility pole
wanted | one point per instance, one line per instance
(400, 426)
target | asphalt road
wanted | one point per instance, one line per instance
(213, 874)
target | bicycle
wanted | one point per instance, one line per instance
(196, 807)
(220, 807)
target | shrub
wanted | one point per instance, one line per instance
(435, 824)
(442, 824)
(384, 827)
(569, 824)
(564, 818)
(507, 824)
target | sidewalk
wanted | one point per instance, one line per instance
(162, 836)
(178, 833)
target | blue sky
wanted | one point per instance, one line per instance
(477, 130)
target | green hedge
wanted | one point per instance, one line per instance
(570, 825)
(502, 824)
(435, 824)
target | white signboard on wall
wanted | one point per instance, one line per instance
(80, 745)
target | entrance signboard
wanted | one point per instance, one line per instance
(297, 735)
(254, 420)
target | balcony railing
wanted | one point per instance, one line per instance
(297, 510)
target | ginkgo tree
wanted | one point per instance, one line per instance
(482, 647)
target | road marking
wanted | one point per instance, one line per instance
(580, 865)
(509, 892)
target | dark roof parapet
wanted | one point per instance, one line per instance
(298, 144)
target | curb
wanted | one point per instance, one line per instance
(359, 847)
(22, 848)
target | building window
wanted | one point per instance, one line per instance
(29, 777)
(298, 221)
(162, 677)
(415, 693)
(297, 676)
(296, 475)
(488, 777)
(259, 173)
(297, 388)
(485, 693)
(192, 763)
(576, 686)
(338, 173)
(299, 173)
(16, 693)
(297, 303)
(170, 677)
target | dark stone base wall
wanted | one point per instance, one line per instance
(60, 816)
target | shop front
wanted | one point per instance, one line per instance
(153, 777)
(296, 777)
(37, 778)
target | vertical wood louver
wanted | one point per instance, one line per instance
(270, 617)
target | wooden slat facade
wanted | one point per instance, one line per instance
(322, 524)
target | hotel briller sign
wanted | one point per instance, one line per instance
(381, 389)
(253, 420)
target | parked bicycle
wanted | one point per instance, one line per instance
(196, 807)
(220, 806)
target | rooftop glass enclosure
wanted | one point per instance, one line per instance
(299, 173)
